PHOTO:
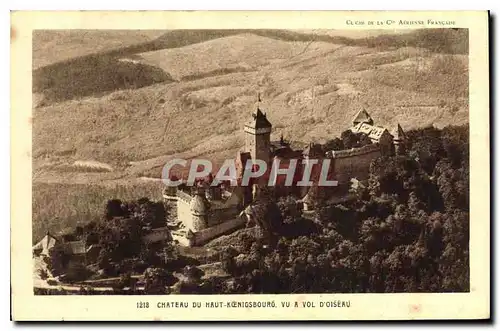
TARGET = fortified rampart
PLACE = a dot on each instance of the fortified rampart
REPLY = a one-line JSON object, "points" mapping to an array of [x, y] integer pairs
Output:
{"points": [[221, 215], [353, 163], [203, 236]]}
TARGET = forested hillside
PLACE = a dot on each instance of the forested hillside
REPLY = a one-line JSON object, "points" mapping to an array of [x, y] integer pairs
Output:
{"points": [[407, 231]]}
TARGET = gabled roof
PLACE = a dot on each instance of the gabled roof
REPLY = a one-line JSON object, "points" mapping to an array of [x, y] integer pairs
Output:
{"points": [[46, 244], [362, 117], [398, 133], [377, 132], [373, 132], [362, 128], [259, 120]]}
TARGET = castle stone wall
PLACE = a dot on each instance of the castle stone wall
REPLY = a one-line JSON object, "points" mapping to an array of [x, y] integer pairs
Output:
{"points": [[218, 216], [203, 236], [356, 151], [354, 163]]}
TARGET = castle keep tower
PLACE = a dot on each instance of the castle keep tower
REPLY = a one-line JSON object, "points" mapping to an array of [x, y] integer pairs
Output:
{"points": [[258, 136]]}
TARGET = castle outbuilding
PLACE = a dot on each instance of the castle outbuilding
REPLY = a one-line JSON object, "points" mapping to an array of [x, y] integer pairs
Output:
{"points": [[355, 162], [44, 247], [389, 141], [377, 135]]}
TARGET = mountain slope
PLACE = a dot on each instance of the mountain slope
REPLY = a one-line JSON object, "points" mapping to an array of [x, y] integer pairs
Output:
{"points": [[309, 90], [52, 46], [243, 52], [103, 72], [93, 76]]}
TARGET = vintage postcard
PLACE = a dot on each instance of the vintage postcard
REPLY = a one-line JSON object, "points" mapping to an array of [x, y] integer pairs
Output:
{"points": [[221, 166]]}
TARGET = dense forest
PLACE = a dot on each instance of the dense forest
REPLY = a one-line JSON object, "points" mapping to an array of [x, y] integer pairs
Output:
{"points": [[406, 229]]}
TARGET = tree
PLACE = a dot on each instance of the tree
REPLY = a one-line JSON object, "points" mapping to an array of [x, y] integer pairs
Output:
{"points": [[105, 263], [333, 145], [453, 184], [157, 281], [151, 214], [79, 232], [126, 280], [407, 231], [349, 139], [149, 256], [57, 260], [363, 139], [425, 146], [227, 259], [246, 241], [91, 238], [288, 209], [192, 282], [114, 209]]}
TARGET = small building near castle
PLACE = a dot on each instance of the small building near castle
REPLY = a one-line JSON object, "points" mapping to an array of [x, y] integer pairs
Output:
{"points": [[63, 255]]}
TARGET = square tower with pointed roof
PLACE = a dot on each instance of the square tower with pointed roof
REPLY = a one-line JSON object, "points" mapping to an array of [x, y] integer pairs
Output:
{"points": [[258, 136]]}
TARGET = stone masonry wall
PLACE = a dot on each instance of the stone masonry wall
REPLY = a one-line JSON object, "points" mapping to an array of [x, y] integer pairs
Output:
{"points": [[354, 163], [203, 236]]}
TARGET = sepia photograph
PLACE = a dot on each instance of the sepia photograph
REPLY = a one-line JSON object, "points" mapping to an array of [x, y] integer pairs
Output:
{"points": [[269, 171], [388, 108]]}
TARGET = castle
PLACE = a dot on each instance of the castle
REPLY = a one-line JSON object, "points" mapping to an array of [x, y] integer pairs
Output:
{"points": [[207, 211]]}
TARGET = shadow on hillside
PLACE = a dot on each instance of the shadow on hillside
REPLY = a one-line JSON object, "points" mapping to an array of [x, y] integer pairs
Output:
{"points": [[103, 73], [92, 76]]}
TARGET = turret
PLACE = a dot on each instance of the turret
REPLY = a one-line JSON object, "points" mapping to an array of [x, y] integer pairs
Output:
{"points": [[398, 138], [199, 208]]}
